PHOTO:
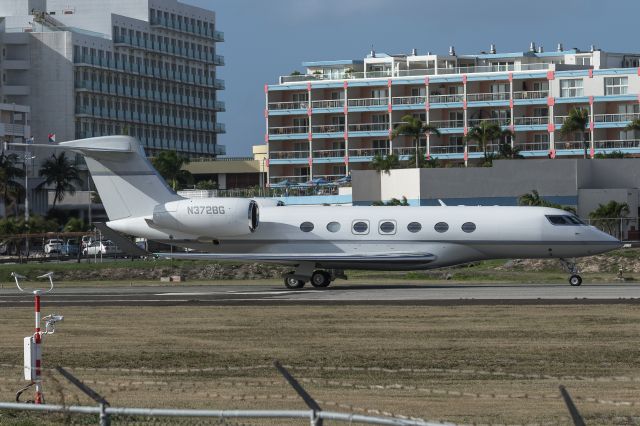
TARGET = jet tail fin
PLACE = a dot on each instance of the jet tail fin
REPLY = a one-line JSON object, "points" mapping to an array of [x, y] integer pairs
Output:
{"points": [[128, 184]]}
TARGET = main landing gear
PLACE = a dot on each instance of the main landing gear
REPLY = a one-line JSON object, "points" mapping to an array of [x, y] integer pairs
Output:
{"points": [[318, 278], [570, 266]]}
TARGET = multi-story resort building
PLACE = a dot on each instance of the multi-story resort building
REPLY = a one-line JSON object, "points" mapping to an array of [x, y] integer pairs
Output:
{"points": [[338, 115], [147, 68]]}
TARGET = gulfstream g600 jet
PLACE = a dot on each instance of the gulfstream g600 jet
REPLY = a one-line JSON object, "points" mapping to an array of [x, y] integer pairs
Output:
{"points": [[319, 242]]}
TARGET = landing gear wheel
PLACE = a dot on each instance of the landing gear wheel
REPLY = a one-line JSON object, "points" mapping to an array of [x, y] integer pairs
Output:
{"points": [[575, 280], [293, 283], [320, 279]]}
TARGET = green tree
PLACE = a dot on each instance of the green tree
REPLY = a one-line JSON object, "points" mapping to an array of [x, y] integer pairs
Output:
{"points": [[634, 125], [9, 172], [385, 162], [576, 121], [612, 154], [484, 133], [169, 164], [609, 216], [392, 202], [422, 161], [534, 199], [62, 174], [207, 185], [75, 224], [415, 128]]}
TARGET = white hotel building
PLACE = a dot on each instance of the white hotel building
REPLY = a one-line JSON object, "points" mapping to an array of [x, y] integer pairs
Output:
{"points": [[337, 115], [147, 68]]}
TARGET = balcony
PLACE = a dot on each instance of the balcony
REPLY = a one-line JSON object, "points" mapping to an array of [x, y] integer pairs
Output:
{"points": [[367, 102], [333, 103], [15, 90], [531, 94], [15, 64], [276, 106], [409, 100], [328, 128], [447, 124], [275, 180], [530, 121], [183, 26], [447, 149], [617, 144], [473, 122], [329, 153], [532, 146], [368, 152], [614, 118], [288, 155], [369, 127], [289, 130], [573, 145], [487, 97], [441, 99], [12, 129], [403, 150]]}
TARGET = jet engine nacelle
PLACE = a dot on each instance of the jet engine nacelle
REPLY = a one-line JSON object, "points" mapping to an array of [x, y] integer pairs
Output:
{"points": [[208, 217]]}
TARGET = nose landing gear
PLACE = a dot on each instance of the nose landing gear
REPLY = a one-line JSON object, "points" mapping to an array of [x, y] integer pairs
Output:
{"points": [[570, 266]]}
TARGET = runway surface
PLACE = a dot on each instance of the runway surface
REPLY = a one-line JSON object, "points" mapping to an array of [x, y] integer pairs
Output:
{"points": [[338, 294]]}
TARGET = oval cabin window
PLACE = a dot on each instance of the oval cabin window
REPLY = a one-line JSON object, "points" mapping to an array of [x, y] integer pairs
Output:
{"points": [[333, 226], [414, 227], [468, 227], [441, 227], [306, 226], [387, 227], [360, 227]]}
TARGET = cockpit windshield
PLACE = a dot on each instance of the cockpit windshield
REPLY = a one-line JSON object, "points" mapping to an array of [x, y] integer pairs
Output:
{"points": [[565, 220]]}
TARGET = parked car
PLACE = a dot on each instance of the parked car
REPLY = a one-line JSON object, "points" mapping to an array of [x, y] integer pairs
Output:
{"points": [[86, 240], [70, 248], [53, 246], [101, 247]]}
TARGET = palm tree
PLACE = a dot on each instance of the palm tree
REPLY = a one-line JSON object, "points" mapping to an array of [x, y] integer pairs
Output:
{"points": [[385, 162], [576, 121], [169, 164], [534, 199], [484, 133], [609, 216], [9, 188], [414, 127], [62, 173], [634, 125]]}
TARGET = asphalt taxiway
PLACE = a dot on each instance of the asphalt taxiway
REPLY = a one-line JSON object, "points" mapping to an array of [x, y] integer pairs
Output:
{"points": [[338, 294]]}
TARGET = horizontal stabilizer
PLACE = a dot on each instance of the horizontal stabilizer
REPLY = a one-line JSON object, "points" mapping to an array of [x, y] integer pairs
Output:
{"points": [[124, 243]]}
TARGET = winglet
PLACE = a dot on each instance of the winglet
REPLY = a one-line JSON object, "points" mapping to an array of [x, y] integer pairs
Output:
{"points": [[442, 203]]}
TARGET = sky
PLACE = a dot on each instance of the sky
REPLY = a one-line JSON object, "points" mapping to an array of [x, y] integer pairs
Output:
{"points": [[268, 38]]}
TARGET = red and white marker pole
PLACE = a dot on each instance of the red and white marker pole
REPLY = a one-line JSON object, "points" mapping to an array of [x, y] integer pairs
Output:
{"points": [[38, 340]]}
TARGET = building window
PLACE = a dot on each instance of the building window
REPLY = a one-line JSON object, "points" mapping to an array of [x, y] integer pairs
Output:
{"points": [[441, 227], [468, 227], [414, 227], [387, 227], [571, 88], [333, 226], [615, 85], [360, 227]]}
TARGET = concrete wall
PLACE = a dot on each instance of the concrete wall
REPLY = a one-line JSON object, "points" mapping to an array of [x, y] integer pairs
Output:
{"points": [[366, 186], [590, 198]]}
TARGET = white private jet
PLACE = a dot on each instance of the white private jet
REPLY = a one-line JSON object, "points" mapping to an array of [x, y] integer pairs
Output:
{"points": [[320, 242]]}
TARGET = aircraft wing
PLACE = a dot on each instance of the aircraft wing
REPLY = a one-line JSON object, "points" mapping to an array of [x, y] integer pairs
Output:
{"points": [[393, 257]]}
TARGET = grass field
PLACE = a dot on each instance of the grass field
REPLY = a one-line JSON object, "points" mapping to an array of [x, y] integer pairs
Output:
{"points": [[464, 364]]}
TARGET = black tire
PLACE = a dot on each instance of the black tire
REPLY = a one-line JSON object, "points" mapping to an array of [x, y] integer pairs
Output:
{"points": [[575, 280], [293, 283], [320, 279]]}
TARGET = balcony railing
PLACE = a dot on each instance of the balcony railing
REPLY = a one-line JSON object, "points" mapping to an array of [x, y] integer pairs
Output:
{"points": [[328, 128], [487, 97], [617, 144], [367, 152], [288, 130], [471, 69], [530, 121], [571, 144], [332, 103], [290, 179], [472, 122], [447, 149], [403, 150], [288, 155], [445, 124], [438, 99], [409, 100], [365, 102], [532, 146], [615, 118], [328, 153], [369, 127], [274, 106], [530, 94]]}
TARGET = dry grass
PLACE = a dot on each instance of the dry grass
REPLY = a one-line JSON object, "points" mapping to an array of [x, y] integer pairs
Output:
{"points": [[480, 364]]}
